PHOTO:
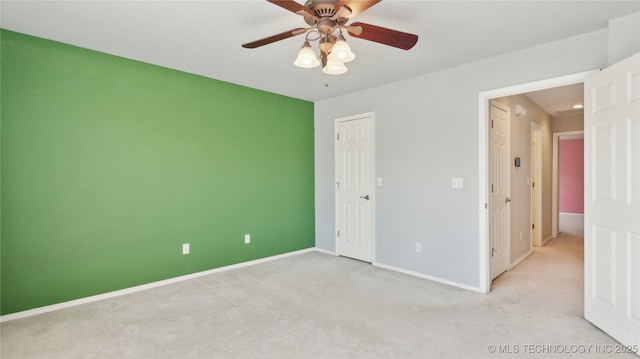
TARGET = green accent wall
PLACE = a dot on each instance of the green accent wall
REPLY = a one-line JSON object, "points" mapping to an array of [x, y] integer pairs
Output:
{"points": [[109, 165]]}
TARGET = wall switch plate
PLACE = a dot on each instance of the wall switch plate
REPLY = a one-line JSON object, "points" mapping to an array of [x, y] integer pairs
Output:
{"points": [[247, 238], [418, 247], [185, 248], [457, 183]]}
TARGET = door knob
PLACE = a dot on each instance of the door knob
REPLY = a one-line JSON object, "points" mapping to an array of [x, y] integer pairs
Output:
{"points": [[366, 197], [507, 200]]}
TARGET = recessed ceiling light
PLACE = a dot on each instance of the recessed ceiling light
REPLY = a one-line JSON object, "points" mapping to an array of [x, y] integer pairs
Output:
{"points": [[578, 106]]}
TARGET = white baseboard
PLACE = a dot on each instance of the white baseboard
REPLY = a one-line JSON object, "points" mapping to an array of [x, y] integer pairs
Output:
{"points": [[432, 278], [117, 293], [571, 223], [325, 251], [571, 214], [412, 273], [547, 240], [520, 259]]}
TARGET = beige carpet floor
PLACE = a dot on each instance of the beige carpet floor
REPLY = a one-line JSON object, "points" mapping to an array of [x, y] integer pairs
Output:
{"points": [[316, 305]]}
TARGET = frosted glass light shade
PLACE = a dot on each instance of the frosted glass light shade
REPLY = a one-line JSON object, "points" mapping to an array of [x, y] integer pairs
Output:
{"points": [[306, 57], [341, 51], [334, 68]]}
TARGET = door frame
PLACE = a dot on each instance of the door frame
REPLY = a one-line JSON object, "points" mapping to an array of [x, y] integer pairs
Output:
{"points": [[555, 177], [371, 115], [484, 280], [536, 176]]}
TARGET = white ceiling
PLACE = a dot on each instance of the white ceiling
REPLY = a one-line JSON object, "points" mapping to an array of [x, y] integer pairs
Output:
{"points": [[204, 37], [559, 101]]}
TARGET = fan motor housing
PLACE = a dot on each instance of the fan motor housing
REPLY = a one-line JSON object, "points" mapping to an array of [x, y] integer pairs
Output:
{"points": [[326, 26], [324, 10]]}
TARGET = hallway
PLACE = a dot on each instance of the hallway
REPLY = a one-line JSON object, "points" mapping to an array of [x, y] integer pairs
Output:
{"points": [[553, 274]]}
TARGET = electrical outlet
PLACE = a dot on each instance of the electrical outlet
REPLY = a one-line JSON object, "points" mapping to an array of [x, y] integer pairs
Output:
{"points": [[418, 247], [247, 238], [185, 248]]}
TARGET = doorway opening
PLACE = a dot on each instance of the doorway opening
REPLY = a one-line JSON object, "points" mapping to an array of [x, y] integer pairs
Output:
{"points": [[568, 208], [484, 166]]}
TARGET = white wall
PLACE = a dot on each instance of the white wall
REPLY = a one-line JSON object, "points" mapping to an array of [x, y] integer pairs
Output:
{"points": [[624, 37], [567, 123], [427, 133]]}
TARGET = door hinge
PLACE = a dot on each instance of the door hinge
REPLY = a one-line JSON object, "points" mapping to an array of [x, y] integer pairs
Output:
{"points": [[533, 185], [338, 185], [485, 205], [533, 226], [492, 188], [338, 233], [337, 136], [491, 123]]}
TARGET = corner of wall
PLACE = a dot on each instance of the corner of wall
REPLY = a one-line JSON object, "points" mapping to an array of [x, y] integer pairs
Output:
{"points": [[624, 37]]}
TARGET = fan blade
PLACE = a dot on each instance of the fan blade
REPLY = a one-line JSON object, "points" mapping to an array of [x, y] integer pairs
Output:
{"points": [[292, 6], [356, 6], [401, 40], [274, 38]]}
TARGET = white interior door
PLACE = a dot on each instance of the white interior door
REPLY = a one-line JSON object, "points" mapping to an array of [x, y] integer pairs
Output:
{"points": [[612, 200], [355, 195], [499, 183]]}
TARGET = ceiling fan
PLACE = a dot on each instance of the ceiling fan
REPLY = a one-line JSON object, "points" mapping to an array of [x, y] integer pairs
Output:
{"points": [[327, 19]]}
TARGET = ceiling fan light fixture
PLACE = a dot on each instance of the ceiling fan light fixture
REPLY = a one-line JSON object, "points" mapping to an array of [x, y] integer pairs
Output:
{"points": [[327, 19], [334, 68], [341, 51], [306, 57], [326, 44]]}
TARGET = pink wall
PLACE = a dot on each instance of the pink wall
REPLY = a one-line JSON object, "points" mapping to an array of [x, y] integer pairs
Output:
{"points": [[571, 176]]}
